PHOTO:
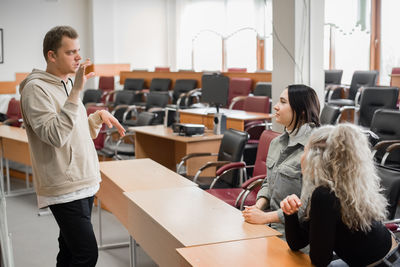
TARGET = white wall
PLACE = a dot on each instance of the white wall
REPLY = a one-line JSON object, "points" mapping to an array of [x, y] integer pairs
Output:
{"points": [[141, 33], [25, 22], [111, 31]]}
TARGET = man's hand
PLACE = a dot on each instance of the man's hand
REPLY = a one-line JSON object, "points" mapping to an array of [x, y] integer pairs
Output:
{"points": [[110, 120], [290, 204], [80, 77]]}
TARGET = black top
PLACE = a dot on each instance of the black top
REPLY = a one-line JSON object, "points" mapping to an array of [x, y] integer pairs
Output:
{"points": [[325, 232]]}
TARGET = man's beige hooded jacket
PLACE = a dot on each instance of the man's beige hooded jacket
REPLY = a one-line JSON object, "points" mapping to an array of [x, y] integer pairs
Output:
{"points": [[60, 136]]}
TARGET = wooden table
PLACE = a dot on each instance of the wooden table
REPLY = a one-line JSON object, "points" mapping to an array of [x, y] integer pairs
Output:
{"points": [[163, 146], [165, 219], [133, 175], [235, 118], [259, 252], [15, 147], [148, 76]]}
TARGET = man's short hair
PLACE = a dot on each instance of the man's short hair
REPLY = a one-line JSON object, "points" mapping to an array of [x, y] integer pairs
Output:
{"points": [[52, 40]]}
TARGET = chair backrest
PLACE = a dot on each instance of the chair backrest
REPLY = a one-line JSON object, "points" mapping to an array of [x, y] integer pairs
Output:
{"points": [[263, 89], [92, 96], [145, 118], [329, 114], [182, 86], [385, 124], [99, 141], [239, 87], [363, 78], [123, 97], [158, 84], [237, 69], [333, 77], [14, 111], [259, 104], [133, 84], [260, 166], [161, 69], [106, 83], [373, 98], [157, 99], [231, 149], [390, 181]]}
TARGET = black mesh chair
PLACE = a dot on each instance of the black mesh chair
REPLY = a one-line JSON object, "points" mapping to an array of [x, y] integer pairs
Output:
{"points": [[263, 89], [359, 79], [385, 124], [230, 150]]}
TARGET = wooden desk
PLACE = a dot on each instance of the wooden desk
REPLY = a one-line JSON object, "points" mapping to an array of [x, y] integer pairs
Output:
{"points": [[259, 252], [148, 76], [165, 147], [166, 219], [14, 146], [235, 118], [133, 175]]}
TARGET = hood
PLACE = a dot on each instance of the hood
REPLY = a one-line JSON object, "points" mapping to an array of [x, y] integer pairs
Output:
{"points": [[41, 75]]}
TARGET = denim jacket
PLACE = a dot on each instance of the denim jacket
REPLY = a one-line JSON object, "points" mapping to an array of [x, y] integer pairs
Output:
{"points": [[283, 168]]}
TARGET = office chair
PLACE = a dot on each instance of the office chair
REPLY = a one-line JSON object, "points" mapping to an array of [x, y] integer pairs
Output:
{"points": [[385, 125], [372, 99], [263, 89], [230, 150], [333, 77], [238, 87], [237, 69], [92, 96], [106, 85], [329, 114], [247, 193], [13, 115], [359, 79], [161, 69], [181, 88], [160, 85], [137, 86]]}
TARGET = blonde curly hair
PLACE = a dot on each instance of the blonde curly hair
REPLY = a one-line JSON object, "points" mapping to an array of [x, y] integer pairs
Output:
{"points": [[339, 157]]}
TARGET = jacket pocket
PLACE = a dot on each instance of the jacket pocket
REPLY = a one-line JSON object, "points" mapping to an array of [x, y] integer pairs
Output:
{"points": [[288, 182]]}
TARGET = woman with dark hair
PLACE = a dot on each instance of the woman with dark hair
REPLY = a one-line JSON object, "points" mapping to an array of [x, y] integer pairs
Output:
{"points": [[298, 111], [344, 204]]}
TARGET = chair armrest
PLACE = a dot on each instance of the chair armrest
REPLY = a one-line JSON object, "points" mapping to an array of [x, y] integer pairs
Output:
{"points": [[335, 87], [192, 93], [208, 165], [130, 108], [389, 149], [231, 165], [249, 186], [385, 142], [250, 183], [128, 136], [11, 121], [227, 168], [193, 155], [235, 100]]}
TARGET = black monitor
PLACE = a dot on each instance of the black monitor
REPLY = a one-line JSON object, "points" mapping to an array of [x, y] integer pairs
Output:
{"points": [[215, 89]]}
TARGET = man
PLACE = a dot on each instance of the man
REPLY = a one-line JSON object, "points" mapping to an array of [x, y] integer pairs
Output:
{"points": [[64, 160]]}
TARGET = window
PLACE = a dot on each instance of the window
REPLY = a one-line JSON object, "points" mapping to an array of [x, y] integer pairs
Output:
{"points": [[347, 33]]}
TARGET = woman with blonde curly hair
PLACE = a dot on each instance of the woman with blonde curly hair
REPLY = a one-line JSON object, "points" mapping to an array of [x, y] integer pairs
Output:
{"points": [[345, 203]]}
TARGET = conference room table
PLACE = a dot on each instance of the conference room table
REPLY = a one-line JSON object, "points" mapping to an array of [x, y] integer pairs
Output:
{"points": [[163, 220], [15, 147], [236, 119], [257, 252], [167, 148]]}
